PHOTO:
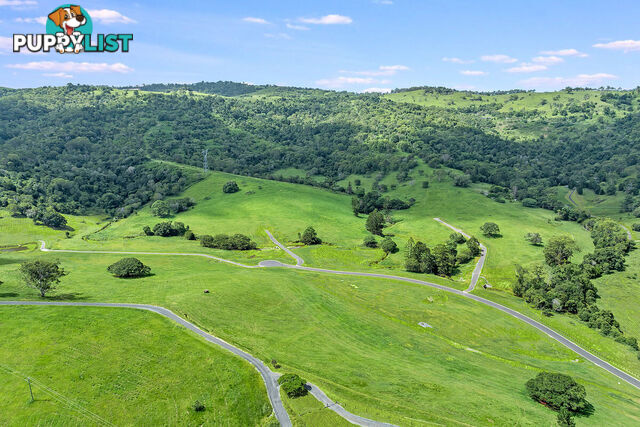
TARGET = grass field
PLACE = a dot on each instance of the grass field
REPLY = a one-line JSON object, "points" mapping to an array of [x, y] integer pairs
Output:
{"points": [[358, 339], [620, 293], [97, 366]]}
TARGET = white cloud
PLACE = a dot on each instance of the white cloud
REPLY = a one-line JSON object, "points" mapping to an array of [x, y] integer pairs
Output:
{"points": [[297, 27], [473, 73], [565, 52], [457, 60], [526, 68], [342, 81], [61, 75], [502, 59], [328, 20], [70, 67], [6, 44], [548, 60], [38, 20], [254, 20], [377, 90], [281, 36], [623, 45], [108, 16], [383, 70], [581, 80], [18, 3]]}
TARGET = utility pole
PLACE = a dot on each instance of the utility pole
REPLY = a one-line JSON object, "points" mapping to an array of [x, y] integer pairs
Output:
{"points": [[30, 391], [205, 164]]}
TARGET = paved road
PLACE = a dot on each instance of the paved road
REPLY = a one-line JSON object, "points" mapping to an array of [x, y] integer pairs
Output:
{"points": [[335, 407], [479, 265], [299, 261], [269, 377]]}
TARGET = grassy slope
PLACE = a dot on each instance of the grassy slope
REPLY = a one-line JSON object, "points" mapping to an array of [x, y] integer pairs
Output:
{"points": [[620, 293], [268, 204], [359, 338], [119, 365]]}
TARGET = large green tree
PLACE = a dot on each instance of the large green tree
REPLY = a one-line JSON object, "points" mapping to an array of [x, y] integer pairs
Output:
{"points": [[375, 222], [559, 249], [42, 275]]}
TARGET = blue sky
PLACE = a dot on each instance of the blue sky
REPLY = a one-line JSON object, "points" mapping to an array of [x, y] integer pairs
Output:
{"points": [[355, 45]]}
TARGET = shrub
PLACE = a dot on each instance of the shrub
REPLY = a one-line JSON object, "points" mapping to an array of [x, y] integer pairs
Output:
{"points": [[293, 385], [490, 229], [189, 235], [370, 242], [457, 238], [222, 241], [160, 208], [389, 246], [425, 184], [464, 256], [206, 240], [180, 205], [168, 229], [530, 203], [147, 230], [230, 187], [474, 246], [129, 267], [198, 406], [310, 237], [533, 238], [636, 226], [462, 180]]}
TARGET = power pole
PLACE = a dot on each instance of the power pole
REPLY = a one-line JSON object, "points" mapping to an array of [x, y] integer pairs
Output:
{"points": [[30, 391], [205, 164]]}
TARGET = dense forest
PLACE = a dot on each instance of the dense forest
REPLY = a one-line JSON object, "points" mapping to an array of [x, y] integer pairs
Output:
{"points": [[82, 148]]}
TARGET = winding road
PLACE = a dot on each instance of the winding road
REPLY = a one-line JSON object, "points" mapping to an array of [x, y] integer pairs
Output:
{"points": [[270, 378], [479, 265]]}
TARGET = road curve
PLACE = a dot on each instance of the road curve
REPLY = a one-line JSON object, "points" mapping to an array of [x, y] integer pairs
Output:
{"points": [[269, 377], [299, 260], [479, 265]]}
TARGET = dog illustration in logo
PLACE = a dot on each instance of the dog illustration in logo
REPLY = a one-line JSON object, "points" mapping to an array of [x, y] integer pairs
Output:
{"points": [[69, 19]]}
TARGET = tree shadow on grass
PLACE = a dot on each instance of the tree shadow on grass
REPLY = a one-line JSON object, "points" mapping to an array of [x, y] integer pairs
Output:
{"points": [[136, 277], [8, 294], [71, 296], [7, 261], [587, 411]]}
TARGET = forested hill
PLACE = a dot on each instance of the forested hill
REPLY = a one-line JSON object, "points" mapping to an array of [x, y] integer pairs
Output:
{"points": [[80, 148]]}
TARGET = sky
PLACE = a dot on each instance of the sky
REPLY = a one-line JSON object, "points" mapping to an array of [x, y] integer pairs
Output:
{"points": [[354, 45]]}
